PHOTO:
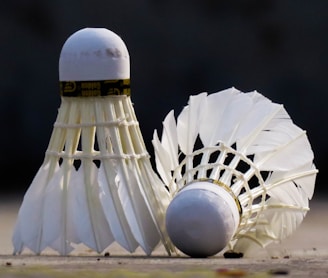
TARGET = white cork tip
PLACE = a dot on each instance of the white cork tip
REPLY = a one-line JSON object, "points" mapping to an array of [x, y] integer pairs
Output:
{"points": [[201, 219], [94, 54]]}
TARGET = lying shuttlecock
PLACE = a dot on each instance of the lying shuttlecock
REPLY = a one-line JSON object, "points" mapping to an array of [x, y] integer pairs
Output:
{"points": [[240, 171], [96, 184]]}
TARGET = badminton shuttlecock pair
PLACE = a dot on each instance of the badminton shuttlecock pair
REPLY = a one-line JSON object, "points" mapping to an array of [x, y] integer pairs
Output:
{"points": [[96, 184], [239, 171]]}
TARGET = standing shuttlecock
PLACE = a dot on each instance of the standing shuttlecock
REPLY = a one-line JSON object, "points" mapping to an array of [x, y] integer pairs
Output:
{"points": [[240, 171], [96, 184]]}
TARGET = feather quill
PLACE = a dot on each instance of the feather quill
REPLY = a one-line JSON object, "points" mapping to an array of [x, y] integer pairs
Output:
{"points": [[167, 155], [133, 196], [163, 161], [92, 226], [214, 110], [155, 195], [188, 126], [55, 229], [54, 221], [109, 196], [32, 207], [188, 123], [170, 139], [87, 214], [114, 211], [147, 235], [140, 216]]}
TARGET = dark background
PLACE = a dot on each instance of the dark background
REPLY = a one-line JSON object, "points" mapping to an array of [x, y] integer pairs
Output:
{"points": [[177, 48]]}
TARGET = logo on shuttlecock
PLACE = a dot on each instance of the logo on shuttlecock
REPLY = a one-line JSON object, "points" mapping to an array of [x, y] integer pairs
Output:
{"points": [[67, 87], [95, 88], [118, 87]]}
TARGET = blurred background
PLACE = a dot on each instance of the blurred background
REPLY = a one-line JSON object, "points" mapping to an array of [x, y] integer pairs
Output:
{"points": [[177, 48]]}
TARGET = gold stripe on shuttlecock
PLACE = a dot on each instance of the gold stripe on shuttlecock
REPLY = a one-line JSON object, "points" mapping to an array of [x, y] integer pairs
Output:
{"points": [[96, 88]]}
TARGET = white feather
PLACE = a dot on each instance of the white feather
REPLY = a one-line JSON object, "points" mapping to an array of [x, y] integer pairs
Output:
{"points": [[31, 211], [131, 189], [92, 226], [220, 109], [109, 194], [276, 160], [163, 160], [170, 140], [153, 196], [114, 211], [33, 205], [255, 122], [55, 223], [303, 177], [88, 217], [133, 193], [141, 220], [188, 123], [55, 232], [214, 109], [228, 125], [158, 199]]}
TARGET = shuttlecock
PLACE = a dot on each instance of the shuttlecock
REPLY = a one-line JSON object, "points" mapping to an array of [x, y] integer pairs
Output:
{"points": [[96, 184], [240, 171]]}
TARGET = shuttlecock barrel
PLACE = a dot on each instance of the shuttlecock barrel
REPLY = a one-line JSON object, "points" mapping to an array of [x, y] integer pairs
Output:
{"points": [[202, 218]]}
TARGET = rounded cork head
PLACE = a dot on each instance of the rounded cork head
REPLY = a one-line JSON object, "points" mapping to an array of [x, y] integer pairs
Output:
{"points": [[201, 219], [94, 54]]}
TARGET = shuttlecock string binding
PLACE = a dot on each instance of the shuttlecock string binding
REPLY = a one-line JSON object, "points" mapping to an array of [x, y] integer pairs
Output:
{"points": [[108, 158], [153, 194], [110, 196], [130, 142], [251, 145], [124, 159]]}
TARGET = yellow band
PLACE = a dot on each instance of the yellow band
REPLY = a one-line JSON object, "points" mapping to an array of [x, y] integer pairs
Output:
{"points": [[95, 88]]}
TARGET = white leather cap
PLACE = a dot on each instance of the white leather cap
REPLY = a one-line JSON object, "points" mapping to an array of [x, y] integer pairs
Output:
{"points": [[201, 219], [94, 54]]}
